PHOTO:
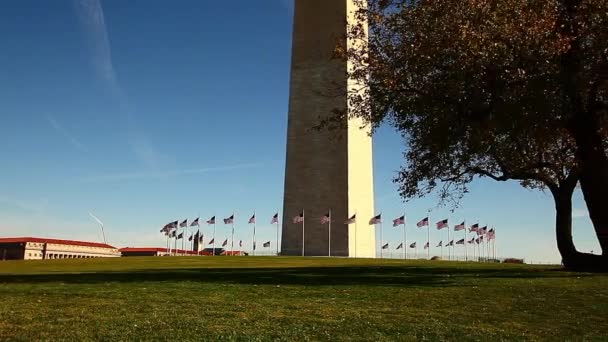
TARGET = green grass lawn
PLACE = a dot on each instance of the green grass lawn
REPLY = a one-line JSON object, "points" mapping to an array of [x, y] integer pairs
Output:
{"points": [[270, 298]]}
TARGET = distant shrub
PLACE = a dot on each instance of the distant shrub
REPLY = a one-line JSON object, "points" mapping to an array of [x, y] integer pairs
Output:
{"points": [[513, 261], [436, 258]]}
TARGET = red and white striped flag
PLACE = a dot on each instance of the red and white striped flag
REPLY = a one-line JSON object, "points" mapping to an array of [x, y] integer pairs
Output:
{"points": [[229, 220], [423, 222], [375, 220], [299, 218], [325, 219], [399, 221], [442, 224], [459, 227]]}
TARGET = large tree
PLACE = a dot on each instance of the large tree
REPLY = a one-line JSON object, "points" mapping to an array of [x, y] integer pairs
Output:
{"points": [[510, 89]]}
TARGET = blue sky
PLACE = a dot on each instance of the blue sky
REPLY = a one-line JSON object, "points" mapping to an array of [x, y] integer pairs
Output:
{"points": [[146, 111]]}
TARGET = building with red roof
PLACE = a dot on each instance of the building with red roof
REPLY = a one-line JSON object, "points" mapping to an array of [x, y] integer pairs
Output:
{"points": [[33, 248]]}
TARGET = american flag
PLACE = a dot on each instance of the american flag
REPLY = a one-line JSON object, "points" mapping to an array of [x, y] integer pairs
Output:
{"points": [[229, 220], [474, 228], [180, 236], [211, 220], [275, 219], [267, 244], [400, 246], [413, 245], [460, 242], [225, 243], [251, 219], [385, 246], [184, 223], [426, 245], [376, 219], [194, 223], [440, 243], [481, 238], [442, 224], [169, 226], [299, 218], [451, 243], [201, 238], [351, 220], [173, 234], [325, 219], [240, 243], [423, 222], [483, 230], [191, 237], [471, 241], [459, 227], [491, 234], [477, 241], [399, 221], [212, 241]]}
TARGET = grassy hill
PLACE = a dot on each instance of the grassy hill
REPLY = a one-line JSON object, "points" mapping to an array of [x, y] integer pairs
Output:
{"points": [[270, 298]]}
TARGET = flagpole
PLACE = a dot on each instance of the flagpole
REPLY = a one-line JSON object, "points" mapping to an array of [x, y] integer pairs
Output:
{"points": [[466, 258], [428, 233], [494, 244], [232, 242], [404, 239], [449, 254], [277, 247], [381, 239], [355, 234], [329, 235], [214, 235], [254, 224], [303, 227]]}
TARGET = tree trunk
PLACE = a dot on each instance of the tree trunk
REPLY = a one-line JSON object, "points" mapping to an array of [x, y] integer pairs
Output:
{"points": [[571, 258], [594, 182]]}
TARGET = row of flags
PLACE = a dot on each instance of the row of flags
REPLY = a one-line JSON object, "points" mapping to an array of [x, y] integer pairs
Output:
{"points": [[440, 244], [200, 238], [170, 229], [195, 223]]}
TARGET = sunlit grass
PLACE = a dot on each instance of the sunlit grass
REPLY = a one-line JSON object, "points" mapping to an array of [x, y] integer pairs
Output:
{"points": [[268, 298]]}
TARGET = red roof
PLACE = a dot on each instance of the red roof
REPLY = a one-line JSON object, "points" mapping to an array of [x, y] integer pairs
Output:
{"points": [[143, 249], [55, 241], [157, 249]]}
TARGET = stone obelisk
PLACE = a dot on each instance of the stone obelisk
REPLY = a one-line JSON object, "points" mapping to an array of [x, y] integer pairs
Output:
{"points": [[325, 170]]}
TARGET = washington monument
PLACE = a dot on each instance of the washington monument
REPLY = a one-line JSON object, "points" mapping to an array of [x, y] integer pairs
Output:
{"points": [[325, 171]]}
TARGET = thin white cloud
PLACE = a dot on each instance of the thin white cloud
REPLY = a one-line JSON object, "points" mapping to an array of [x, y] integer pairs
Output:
{"points": [[579, 213], [93, 22], [166, 174], [62, 131]]}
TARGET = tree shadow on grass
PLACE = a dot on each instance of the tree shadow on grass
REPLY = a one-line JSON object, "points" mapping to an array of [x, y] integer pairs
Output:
{"points": [[400, 276]]}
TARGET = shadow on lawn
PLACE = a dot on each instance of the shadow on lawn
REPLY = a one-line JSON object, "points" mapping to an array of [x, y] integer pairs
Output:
{"points": [[402, 276]]}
